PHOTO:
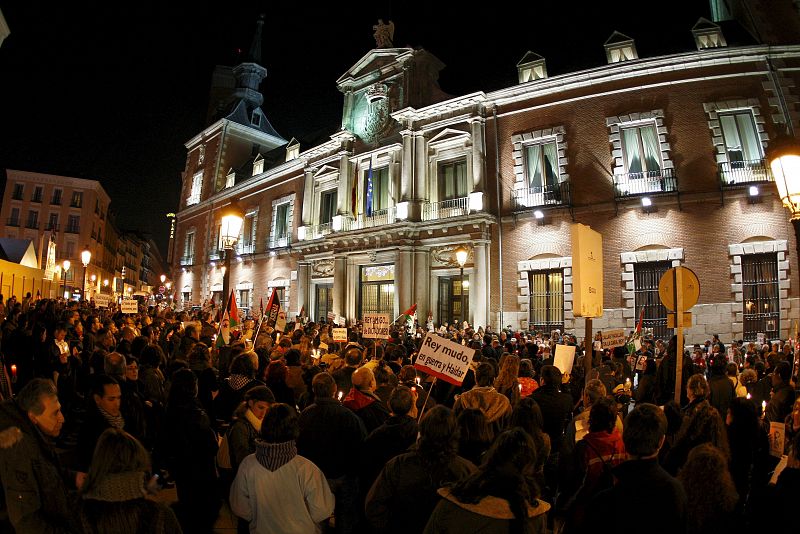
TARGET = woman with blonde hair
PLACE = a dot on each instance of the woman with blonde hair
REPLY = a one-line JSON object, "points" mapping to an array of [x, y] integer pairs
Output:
{"points": [[114, 493], [507, 381]]}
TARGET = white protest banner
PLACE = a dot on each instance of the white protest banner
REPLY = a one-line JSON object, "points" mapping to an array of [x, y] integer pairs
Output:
{"points": [[777, 437], [613, 338], [444, 359], [376, 326], [280, 323], [102, 301], [340, 334], [129, 306], [565, 356]]}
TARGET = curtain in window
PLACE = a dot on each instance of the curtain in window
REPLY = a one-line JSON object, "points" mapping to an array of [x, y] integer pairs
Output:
{"points": [[281, 221], [652, 148], [630, 138], [751, 147], [733, 144], [534, 167], [550, 163]]}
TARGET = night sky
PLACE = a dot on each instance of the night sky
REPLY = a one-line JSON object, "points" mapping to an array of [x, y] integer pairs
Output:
{"points": [[112, 94]]}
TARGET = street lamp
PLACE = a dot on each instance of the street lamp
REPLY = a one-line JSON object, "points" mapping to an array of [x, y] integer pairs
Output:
{"points": [[86, 257], [105, 284], [231, 221], [461, 258], [66, 266], [784, 161]]}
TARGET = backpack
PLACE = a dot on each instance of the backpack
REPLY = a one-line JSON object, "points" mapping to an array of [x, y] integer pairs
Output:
{"points": [[606, 480]]}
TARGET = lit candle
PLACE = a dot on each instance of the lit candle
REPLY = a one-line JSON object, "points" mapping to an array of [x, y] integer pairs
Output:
{"points": [[627, 383], [416, 380], [520, 387], [749, 396], [340, 396], [14, 372]]}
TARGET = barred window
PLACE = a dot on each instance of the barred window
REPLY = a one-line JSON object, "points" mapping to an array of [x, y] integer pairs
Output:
{"points": [[761, 292], [646, 276], [546, 300]]}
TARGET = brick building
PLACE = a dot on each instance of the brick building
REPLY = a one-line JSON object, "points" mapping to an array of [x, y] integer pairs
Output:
{"points": [[664, 156]]}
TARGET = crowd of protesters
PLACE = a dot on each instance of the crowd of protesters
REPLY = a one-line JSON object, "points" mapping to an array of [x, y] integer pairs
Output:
{"points": [[301, 434]]}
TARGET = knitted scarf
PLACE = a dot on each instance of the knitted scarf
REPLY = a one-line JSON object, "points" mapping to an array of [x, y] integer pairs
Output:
{"points": [[116, 421], [118, 487], [237, 382], [274, 455], [253, 420]]}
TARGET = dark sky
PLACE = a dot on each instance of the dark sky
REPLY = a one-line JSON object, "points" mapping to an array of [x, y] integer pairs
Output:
{"points": [[112, 93]]}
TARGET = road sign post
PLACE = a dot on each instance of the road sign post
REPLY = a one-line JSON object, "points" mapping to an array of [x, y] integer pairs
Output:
{"points": [[679, 290]]}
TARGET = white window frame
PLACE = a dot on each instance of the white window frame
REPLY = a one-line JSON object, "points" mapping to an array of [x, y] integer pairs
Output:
{"points": [[276, 241], [196, 191], [749, 173]]}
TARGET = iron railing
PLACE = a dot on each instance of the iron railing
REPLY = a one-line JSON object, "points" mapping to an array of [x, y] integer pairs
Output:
{"points": [[74, 229], [645, 183], [456, 207], [318, 230], [737, 173], [378, 218], [187, 260], [12, 221], [279, 241], [548, 195]]}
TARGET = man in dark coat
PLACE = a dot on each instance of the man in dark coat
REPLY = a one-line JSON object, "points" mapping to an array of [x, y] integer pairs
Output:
{"points": [[721, 388], [782, 399], [36, 486], [103, 413], [667, 370], [556, 406], [332, 437], [393, 437], [644, 494]]}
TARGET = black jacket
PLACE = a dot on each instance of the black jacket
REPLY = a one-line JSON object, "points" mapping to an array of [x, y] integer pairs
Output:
{"points": [[644, 495], [392, 438], [331, 436], [556, 411], [722, 393]]}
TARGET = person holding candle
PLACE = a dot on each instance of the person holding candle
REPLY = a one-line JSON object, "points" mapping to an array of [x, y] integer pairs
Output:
{"points": [[332, 437]]}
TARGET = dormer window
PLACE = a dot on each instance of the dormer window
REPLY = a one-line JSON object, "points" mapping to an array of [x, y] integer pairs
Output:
{"points": [[292, 150], [258, 165], [619, 47], [230, 179], [531, 67], [708, 35]]}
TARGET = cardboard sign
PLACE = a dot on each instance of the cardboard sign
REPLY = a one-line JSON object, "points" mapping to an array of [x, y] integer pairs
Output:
{"points": [[444, 359], [129, 306], [565, 357], [376, 326], [339, 334], [613, 338], [777, 438], [102, 301]]}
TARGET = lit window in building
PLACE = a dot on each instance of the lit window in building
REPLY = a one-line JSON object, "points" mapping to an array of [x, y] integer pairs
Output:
{"points": [[642, 150], [377, 289], [546, 300], [646, 276], [327, 206], [760, 295], [197, 188], [453, 180]]}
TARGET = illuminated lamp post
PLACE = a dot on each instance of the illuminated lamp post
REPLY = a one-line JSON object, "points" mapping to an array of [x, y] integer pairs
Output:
{"points": [[461, 258], [86, 257], [784, 161], [231, 221], [65, 266]]}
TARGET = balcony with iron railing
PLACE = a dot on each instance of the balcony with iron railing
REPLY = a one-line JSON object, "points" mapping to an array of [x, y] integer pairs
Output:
{"points": [[216, 254], [245, 248], [456, 207], [52, 227], [279, 241], [541, 196], [318, 231], [645, 183], [33, 225], [742, 173], [187, 260], [378, 218], [37, 198], [12, 221]]}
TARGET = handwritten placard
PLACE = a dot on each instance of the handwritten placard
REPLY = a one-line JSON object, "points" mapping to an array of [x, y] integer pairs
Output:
{"points": [[376, 326], [444, 359], [613, 338], [129, 306], [565, 356], [339, 334]]}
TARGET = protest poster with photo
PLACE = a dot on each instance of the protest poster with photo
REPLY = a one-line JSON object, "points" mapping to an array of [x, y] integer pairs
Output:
{"points": [[376, 326], [444, 359], [777, 438]]}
